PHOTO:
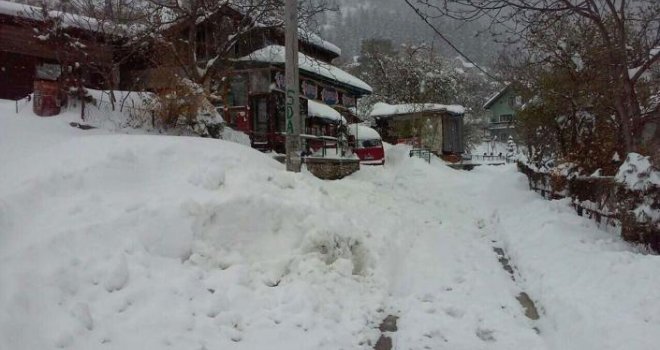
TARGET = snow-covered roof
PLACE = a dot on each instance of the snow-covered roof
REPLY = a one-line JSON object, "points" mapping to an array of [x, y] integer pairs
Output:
{"points": [[317, 41], [68, 19], [311, 39], [495, 97], [363, 132], [276, 54], [321, 110], [382, 109], [16, 9], [465, 63]]}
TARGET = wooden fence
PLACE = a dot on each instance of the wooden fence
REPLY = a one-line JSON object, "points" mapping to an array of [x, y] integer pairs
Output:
{"points": [[602, 199]]}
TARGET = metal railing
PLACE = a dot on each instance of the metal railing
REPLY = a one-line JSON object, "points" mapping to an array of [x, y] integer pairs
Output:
{"points": [[103, 114], [484, 158], [422, 153], [324, 141], [26, 98]]}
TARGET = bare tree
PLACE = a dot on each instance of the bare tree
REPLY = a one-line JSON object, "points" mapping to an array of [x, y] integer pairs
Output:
{"points": [[183, 27], [626, 32]]}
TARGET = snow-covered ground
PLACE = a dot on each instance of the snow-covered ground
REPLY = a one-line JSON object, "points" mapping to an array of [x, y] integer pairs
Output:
{"points": [[115, 241]]}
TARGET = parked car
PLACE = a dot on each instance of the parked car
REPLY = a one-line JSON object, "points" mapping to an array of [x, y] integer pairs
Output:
{"points": [[367, 144]]}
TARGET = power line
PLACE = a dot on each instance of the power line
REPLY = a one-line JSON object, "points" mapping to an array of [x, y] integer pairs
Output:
{"points": [[443, 37]]}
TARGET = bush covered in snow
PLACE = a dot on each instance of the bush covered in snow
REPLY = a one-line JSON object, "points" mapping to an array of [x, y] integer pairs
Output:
{"points": [[629, 201], [637, 173]]}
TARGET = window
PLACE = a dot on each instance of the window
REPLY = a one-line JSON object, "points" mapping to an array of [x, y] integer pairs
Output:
{"points": [[512, 101], [238, 95], [371, 143], [260, 82], [201, 43], [260, 115], [48, 71], [506, 118], [237, 48]]}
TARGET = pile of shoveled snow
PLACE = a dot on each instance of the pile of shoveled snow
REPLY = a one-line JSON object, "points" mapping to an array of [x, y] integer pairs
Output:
{"points": [[157, 242], [125, 241], [134, 241]]}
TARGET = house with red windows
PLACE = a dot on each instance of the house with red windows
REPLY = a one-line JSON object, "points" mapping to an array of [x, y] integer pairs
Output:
{"points": [[247, 91]]}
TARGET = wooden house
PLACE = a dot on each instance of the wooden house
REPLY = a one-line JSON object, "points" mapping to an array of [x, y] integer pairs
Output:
{"points": [[436, 127], [28, 49], [247, 88], [257, 102], [246, 85], [502, 108]]}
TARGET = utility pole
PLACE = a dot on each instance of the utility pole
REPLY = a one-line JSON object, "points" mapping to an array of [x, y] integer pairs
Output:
{"points": [[293, 121]]}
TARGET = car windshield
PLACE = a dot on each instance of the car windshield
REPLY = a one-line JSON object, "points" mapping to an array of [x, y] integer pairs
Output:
{"points": [[370, 143]]}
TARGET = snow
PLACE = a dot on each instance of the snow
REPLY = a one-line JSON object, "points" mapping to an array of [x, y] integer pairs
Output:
{"points": [[333, 153], [15, 9], [494, 97], [276, 54], [116, 241], [578, 62], [464, 62], [131, 99], [363, 132], [321, 110], [382, 109], [68, 19], [316, 40], [654, 51], [637, 173], [490, 148]]}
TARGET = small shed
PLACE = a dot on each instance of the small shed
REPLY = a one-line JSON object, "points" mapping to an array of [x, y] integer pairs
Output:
{"points": [[438, 127]]}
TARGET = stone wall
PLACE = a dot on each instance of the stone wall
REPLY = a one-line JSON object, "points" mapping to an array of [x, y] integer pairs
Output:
{"points": [[332, 169]]}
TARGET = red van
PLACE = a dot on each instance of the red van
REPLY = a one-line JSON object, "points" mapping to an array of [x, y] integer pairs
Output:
{"points": [[368, 145]]}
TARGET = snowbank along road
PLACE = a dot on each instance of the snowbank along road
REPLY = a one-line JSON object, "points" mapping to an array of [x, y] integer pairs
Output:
{"points": [[112, 241]]}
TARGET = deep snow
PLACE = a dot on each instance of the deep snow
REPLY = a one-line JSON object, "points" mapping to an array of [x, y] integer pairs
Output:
{"points": [[152, 242]]}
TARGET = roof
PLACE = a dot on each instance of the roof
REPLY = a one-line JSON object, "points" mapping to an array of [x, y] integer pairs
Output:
{"points": [[68, 19], [318, 42], [363, 132], [309, 38], [382, 109], [496, 97], [275, 54], [321, 110]]}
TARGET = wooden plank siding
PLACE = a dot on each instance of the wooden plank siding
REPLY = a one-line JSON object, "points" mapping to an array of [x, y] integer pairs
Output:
{"points": [[21, 52], [16, 75], [18, 36]]}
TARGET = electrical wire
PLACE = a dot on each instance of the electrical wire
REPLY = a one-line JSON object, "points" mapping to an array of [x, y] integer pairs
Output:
{"points": [[444, 38]]}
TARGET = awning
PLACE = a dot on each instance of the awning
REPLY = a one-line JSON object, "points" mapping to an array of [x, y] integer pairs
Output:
{"points": [[317, 109], [382, 109]]}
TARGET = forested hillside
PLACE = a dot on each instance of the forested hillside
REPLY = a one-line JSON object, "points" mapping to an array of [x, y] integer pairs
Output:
{"points": [[357, 20]]}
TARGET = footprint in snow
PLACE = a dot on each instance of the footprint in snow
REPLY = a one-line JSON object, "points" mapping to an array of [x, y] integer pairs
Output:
{"points": [[486, 335]]}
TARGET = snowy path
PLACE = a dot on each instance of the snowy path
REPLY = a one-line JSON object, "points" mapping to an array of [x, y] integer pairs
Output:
{"points": [[448, 288], [134, 242]]}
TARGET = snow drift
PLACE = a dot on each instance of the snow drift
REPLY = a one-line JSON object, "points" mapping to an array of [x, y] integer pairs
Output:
{"points": [[156, 242]]}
